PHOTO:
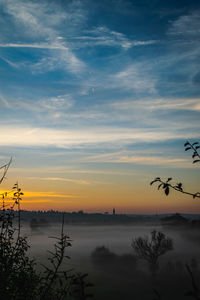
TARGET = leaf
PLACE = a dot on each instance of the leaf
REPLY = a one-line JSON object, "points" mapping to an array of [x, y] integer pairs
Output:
{"points": [[152, 182], [167, 191], [188, 148], [197, 160], [195, 143], [160, 186], [179, 186], [169, 179], [197, 147], [187, 143], [194, 154]]}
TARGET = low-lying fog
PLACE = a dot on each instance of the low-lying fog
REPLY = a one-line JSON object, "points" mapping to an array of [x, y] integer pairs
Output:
{"points": [[124, 278]]}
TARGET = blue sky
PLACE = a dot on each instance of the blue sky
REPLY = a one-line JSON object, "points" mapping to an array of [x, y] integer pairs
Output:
{"points": [[98, 91]]}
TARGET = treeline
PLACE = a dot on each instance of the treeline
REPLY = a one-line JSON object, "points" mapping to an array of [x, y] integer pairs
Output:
{"points": [[81, 217]]}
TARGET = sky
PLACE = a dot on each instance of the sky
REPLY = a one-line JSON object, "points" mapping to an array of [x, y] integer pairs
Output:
{"points": [[97, 98]]}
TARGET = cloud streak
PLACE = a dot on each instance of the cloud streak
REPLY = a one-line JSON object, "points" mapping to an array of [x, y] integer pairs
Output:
{"points": [[103, 36], [41, 22], [131, 157], [158, 104], [186, 26], [38, 137], [76, 181]]}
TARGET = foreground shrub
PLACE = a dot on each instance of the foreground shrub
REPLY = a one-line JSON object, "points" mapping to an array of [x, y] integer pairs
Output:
{"points": [[19, 279]]}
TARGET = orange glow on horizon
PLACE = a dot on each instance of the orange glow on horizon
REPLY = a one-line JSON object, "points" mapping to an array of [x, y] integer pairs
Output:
{"points": [[144, 200]]}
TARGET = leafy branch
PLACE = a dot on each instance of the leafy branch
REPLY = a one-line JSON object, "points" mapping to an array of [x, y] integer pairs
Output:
{"points": [[166, 186], [194, 147], [17, 198], [56, 259]]}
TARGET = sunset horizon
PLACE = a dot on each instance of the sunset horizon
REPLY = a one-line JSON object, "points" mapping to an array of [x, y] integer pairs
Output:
{"points": [[97, 100]]}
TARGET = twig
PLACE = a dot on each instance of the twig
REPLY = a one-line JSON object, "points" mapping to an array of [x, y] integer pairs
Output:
{"points": [[195, 293], [5, 167]]}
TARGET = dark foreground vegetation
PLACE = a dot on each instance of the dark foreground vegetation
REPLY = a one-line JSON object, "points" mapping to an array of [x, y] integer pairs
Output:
{"points": [[19, 279], [18, 276], [115, 276], [127, 277]]}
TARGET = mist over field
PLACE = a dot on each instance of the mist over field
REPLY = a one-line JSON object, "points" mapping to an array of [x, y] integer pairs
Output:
{"points": [[120, 275]]}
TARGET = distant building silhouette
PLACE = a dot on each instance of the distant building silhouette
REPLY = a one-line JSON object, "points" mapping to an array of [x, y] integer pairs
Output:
{"points": [[113, 211]]}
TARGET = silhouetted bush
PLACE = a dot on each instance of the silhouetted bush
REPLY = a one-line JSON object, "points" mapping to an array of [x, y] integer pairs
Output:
{"points": [[103, 255], [38, 224], [123, 264], [18, 276], [19, 279]]}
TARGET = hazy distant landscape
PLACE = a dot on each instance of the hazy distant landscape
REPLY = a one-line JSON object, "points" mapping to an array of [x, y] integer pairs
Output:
{"points": [[123, 276]]}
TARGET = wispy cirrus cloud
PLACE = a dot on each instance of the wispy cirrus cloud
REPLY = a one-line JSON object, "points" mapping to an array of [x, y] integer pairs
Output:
{"points": [[103, 36], [41, 23], [5, 102], [136, 77], [186, 26], [59, 57], [158, 113], [129, 157], [158, 104], [62, 179], [36, 45], [184, 33], [47, 105], [61, 138], [42, 27]]}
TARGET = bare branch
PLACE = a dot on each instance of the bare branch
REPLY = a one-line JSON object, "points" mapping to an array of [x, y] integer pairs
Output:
{"points": [[5, 169], [195, 292]]}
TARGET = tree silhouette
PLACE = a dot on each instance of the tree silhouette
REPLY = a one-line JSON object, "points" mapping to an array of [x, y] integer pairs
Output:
{"points": [[151, 250]]}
